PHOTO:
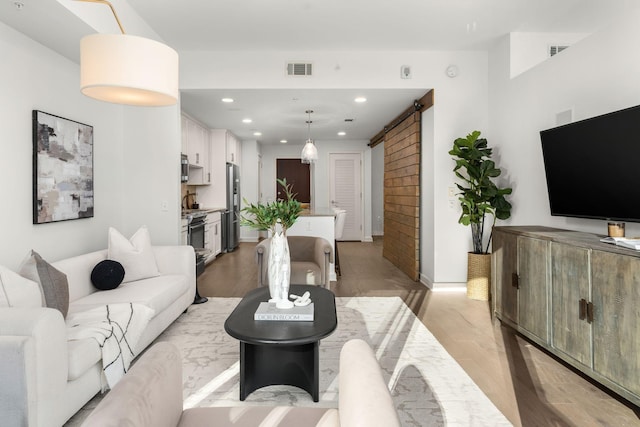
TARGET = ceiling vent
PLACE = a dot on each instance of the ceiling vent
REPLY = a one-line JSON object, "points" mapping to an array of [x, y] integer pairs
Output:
{"points": [[556, 49], [299, 69]]}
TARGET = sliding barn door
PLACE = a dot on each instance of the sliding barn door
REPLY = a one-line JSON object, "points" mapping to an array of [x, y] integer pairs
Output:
{"points": [[401, 243]]}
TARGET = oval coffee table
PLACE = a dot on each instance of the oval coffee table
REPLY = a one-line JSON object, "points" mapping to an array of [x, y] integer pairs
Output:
{"points": [[281, 352]]}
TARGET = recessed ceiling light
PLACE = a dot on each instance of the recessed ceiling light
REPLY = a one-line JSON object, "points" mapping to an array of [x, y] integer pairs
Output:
{"points": [[257, 134], [283, 141], [342, 133], [227, 100], [246, 120], [360, 99]]}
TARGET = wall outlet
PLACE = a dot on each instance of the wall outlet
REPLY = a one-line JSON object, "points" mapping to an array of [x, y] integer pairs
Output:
{"points": [[164, 206]]}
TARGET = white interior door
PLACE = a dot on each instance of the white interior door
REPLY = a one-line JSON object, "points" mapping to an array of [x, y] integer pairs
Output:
{"points": [[345, 191]]}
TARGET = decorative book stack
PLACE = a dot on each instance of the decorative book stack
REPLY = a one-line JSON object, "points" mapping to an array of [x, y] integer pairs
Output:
{"points": [[268, 311]]}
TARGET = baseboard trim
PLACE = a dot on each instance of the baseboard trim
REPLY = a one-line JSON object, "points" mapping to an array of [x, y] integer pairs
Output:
{"points": [[443, 286], [248, 240]]}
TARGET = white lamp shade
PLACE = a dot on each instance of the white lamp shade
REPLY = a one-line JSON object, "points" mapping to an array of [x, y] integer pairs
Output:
{"points": [[309, 152], [126, 69]]}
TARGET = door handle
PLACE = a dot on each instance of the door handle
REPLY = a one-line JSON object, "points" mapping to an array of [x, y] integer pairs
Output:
{"points": [[590, 312], [582, 309]]}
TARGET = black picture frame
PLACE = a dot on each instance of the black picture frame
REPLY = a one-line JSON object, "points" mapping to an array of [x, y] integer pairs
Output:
{"points": [[62, 169]]}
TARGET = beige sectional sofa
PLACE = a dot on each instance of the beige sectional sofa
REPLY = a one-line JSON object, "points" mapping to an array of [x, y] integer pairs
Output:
{"points": [[44, 377]]}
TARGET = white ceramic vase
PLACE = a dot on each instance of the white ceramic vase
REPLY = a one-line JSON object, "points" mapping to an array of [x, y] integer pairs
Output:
{"points": [[279, 270]]}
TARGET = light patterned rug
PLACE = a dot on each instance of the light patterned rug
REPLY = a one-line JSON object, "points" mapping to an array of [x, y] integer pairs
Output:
{"points": [[429, 388]]}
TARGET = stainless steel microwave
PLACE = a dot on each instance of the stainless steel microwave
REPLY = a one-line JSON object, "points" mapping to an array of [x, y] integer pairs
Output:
{"points": [[184, 168]]}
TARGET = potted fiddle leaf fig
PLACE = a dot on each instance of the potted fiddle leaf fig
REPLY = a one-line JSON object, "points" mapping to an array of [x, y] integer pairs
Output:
{"points": [[479, 197]]}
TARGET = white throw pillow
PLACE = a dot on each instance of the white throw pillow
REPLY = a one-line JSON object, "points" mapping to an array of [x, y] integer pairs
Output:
{"points": [[17, 291], [135, 254]]}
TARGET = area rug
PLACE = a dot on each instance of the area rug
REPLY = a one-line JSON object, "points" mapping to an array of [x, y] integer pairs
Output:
{"points": [[429, 388]]}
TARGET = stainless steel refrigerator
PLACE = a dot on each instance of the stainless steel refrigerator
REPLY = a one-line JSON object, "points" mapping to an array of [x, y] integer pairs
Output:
{"points": [[231, 218]]}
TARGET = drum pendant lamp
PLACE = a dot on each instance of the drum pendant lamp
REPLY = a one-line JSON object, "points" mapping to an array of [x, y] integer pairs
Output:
{"points": [[125, 69]]}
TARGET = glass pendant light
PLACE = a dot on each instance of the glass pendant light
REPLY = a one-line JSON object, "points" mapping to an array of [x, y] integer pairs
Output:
{"points": [[309, 151]]}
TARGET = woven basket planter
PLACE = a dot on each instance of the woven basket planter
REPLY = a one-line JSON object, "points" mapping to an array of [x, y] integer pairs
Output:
{"points": [[478, 276]]}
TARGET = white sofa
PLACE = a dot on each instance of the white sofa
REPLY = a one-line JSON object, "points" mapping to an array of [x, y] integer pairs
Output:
{"points": [[45, 379]]}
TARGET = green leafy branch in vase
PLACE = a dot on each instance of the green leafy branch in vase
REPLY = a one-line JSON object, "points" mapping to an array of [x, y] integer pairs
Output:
{"points": [[266, 216]]}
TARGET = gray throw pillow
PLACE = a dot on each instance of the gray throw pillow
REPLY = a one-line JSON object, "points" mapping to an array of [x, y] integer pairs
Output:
{"points": [[53, 283]]}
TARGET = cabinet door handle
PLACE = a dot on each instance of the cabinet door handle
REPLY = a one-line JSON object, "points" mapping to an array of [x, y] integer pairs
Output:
{"points": [[209, 177], [515, 280], [197, 158], [582, 309], [590, 312]]}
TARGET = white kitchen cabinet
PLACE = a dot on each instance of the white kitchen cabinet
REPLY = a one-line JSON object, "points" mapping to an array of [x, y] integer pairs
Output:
{"points": [[226, 147], [184, 236], [213, 235], [184, 135], [234, 148], [195, 142], [217, 236]]}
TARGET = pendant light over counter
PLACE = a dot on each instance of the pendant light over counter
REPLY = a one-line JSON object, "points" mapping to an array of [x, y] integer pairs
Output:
{"points": [[309, 151], [125, 69]]}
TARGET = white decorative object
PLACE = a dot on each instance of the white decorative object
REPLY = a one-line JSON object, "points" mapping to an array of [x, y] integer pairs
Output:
{"points": [[301, 301], [279, 270]]}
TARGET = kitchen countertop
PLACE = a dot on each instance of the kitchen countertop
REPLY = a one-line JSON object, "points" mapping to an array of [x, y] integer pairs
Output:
{"points": [[186, 212], [318, 212]]}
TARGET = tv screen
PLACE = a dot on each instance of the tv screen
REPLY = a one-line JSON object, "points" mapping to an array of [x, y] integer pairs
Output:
{"points": [[592, 167]]}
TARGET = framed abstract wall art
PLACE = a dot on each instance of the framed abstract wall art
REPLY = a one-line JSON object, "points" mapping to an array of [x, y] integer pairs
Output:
{"points": [[62, 169]]}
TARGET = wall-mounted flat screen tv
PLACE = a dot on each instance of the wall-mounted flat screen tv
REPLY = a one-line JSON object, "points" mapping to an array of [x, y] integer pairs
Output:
{"points": [[593, 167]]}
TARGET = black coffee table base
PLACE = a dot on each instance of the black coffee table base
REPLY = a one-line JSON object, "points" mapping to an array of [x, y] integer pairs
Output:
{"points": [[264, 365]]}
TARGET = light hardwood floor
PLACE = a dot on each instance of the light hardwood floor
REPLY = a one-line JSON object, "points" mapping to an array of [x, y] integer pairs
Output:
{"points": [[528, 385]]}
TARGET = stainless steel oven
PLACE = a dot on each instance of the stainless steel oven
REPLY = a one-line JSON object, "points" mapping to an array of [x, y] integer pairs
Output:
{"points": [[195, 237], [196, 231]]}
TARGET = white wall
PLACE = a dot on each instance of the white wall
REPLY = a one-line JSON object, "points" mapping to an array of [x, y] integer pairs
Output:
{"points": [[249, 184], [377, 190], [597, 75], [34, 77], [427, 208], [151, 174], [530, 49]]}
